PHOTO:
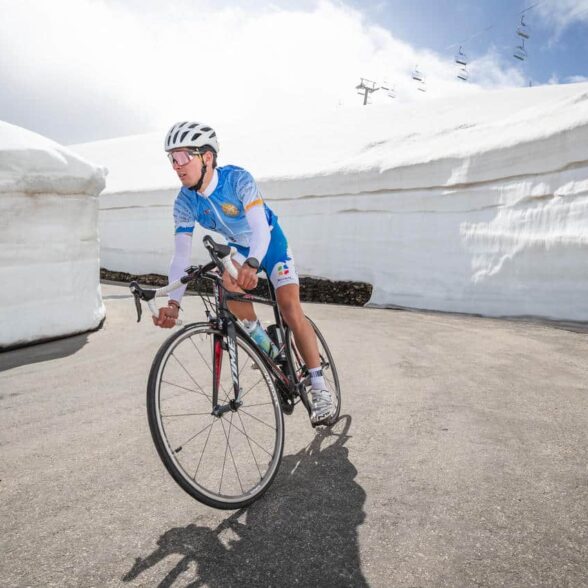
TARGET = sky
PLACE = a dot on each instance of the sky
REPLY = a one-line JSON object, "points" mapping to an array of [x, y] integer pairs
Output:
{"points": [[84, 70]]}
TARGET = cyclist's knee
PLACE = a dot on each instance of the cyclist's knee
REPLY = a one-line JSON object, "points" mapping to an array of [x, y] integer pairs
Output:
{"points": [[293, 314]]}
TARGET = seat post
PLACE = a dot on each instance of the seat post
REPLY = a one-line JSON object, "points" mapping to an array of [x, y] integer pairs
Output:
{"points": [[273, 298]]}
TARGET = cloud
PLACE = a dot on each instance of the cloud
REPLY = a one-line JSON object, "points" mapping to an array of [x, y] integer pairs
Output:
{"points": [[576, 79], [89, 69], [562, 13]]}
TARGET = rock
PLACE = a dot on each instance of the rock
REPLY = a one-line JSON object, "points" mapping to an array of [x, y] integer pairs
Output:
{"points": [[311, 289]]}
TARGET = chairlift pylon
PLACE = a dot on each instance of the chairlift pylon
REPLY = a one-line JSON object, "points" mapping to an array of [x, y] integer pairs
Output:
{"points": [[461, 58], [523, 29]]}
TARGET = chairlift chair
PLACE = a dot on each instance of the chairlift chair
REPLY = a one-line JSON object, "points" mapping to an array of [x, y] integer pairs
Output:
{"points": [[417, 75], [462, 74], [461, 58], [523, 29], [520, 52], [390, 91]]}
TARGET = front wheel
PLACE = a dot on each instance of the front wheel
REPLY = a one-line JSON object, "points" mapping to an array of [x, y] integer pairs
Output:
{"points": [[327, 365], [225, 461]]}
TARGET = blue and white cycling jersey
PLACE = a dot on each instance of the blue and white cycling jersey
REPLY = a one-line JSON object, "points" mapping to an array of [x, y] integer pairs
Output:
{"points": [[223, 209]]}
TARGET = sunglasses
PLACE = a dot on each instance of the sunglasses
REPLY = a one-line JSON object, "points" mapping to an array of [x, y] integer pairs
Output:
{"points": [[181, 158]]}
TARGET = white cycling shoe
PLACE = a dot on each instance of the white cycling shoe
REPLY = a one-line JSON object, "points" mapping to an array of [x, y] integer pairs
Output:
{"points": [[322, 406]]}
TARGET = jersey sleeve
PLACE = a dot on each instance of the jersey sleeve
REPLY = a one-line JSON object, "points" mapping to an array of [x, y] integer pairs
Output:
{"points": [[183, 216], [247, 190]]}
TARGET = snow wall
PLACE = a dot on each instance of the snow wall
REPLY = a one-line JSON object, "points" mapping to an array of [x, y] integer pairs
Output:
{"points": [[475, 206], [49, 248]]}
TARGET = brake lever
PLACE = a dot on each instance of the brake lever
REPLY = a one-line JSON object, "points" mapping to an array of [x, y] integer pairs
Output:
{"points": [[137, 296], [138, 307]]}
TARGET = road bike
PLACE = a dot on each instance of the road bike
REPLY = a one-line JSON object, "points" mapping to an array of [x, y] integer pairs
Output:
{"points": [[215, 400]]}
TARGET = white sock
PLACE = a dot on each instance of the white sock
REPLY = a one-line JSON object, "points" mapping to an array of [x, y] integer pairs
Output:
{"points": [[317, 381]]}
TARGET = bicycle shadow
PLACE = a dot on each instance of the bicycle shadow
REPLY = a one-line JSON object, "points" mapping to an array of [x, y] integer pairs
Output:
{"points": [[303, 532]]}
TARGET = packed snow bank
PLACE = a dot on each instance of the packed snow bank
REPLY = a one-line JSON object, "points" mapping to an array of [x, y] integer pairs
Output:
{"points": [[49, 249], [477, 205]]}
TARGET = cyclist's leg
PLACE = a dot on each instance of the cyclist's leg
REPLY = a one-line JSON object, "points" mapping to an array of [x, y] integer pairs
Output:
{"points": [[288, 296], [278, 264], [323, 400]]}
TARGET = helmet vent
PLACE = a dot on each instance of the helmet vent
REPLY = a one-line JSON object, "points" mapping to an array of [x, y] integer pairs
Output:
{"points": [[195, 136], [176, 136], [193, 126], [205, 129], [183, 135]]}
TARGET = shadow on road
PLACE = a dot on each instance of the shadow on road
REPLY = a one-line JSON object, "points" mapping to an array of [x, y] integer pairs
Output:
{"points": [[303, 532], [43, 351]]}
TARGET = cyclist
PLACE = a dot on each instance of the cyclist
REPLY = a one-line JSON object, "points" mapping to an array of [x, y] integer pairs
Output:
{"points": [[227, 200]]}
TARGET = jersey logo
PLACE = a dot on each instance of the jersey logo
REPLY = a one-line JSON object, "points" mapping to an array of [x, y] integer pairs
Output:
{"points": [[230, 209], [283, 269]]}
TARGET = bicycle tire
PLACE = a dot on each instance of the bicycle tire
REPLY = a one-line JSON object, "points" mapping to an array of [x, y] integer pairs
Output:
{"points": [[329, 369], [163, 437]]}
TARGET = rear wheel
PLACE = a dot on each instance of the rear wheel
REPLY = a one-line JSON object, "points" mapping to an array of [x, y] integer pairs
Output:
{"points": [[225, 461], [327, 365]]}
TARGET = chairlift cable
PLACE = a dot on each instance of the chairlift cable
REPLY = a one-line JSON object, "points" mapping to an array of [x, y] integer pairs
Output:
{"points": [[490, 27], [532, 6]]}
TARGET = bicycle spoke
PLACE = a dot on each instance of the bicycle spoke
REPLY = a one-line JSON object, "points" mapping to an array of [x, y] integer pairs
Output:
{"points": [[231, 451], [182, 445], [187, 389], [226, 398], [245, 364], [200, 354], [187, 372], [252, 439], [203, 449], [224, 460], [167, 416], [250, 448], [233, 458], [254, 417], [209, 369], [245, 394]]}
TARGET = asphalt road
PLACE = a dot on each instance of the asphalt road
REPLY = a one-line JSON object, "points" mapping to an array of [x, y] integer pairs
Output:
{"points": [[461, 461]]}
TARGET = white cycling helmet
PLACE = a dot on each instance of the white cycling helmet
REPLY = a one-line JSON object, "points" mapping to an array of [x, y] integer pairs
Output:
{"points": [[191, 134]]}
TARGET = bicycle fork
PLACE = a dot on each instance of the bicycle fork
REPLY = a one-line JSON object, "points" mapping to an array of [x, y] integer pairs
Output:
{"points": [[231, 346]]}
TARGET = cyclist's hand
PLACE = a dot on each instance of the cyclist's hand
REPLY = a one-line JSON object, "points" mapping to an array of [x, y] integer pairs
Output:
{"points": [[167, 317], [247, 278]]}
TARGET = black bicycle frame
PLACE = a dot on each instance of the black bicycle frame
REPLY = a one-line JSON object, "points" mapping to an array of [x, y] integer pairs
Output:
{"points": [[226, 322]]}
